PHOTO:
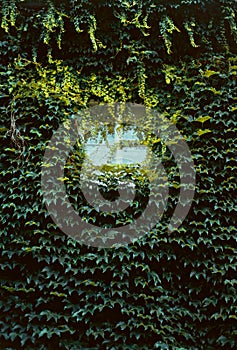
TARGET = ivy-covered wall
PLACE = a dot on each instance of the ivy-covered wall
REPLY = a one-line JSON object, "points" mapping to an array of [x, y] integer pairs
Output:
{"points": [[167, 290]]}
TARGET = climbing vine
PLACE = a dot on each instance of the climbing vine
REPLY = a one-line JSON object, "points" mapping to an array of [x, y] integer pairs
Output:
{"points": [[166, 290]]}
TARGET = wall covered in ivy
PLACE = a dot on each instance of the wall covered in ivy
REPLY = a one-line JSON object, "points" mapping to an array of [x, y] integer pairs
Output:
{"points": [[167, 290]]}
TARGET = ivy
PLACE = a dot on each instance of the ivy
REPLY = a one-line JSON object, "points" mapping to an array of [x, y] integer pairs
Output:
{"points": [[166, 290]]}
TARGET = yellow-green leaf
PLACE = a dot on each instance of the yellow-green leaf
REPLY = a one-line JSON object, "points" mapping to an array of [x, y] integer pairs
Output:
{"points": [[203, 119], [62, 178], [201, 132], [209, 73]]}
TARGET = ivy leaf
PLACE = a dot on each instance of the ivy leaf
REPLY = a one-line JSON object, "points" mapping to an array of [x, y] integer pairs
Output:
{"points": [[203, 119], [209, 73], [201, 132]]}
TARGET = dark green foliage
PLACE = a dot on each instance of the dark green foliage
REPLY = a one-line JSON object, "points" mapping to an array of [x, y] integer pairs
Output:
{"points": [[166, 291]]}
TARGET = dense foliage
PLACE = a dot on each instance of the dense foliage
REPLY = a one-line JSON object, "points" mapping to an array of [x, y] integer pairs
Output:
{"points": [[165, 291]]}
